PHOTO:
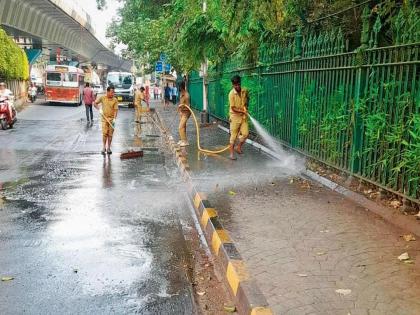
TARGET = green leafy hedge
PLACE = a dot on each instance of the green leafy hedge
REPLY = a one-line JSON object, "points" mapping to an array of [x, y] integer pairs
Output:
{"points": [[14, 64]]}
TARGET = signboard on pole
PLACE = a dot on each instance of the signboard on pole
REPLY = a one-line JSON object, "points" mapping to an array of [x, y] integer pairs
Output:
{"points": [[159, 67], [167, 67]]}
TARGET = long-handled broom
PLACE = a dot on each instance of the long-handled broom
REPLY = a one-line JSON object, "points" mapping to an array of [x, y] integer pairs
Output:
{"points": [[130, 154]]}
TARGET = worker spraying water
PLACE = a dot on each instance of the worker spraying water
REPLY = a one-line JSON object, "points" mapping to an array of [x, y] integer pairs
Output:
{"points": [[238, 116]]}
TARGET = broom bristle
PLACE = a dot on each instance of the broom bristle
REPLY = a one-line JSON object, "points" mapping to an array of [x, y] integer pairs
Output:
{"points": [[131, 155]]}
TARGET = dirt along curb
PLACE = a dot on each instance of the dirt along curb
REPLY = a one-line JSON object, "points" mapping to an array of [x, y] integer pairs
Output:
{"points": [[248, 297], [397, 219]]}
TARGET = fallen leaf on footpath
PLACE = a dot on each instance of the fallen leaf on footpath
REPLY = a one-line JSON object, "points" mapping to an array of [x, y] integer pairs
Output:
{"points": [[7, 278], [302, 274], [395, 203], [201, 293], [403, 257], [273, 184], [232, 193], [306, 185], [409, 262], [230, 309], [343, 291], [320, 253], [408, 237]]}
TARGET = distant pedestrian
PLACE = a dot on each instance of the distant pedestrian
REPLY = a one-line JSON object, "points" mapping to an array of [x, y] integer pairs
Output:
{"points": [[167, 96], [88, 99], [156, 92], [238, 116], [183, 108], [174, 94], [109, 111]]}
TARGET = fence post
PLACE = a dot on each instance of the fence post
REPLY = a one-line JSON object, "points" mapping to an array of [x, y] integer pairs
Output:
{"points": [[296, 84], [356, 149]]}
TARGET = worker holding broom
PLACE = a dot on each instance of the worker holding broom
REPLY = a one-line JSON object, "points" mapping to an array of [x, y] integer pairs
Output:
{"points": [[183, 109], [139, 97], [108, 111], [238, 116]]}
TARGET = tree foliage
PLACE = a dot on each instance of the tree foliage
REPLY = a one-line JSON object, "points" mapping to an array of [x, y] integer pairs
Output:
{"points": [[13, 60], [228, 28]]}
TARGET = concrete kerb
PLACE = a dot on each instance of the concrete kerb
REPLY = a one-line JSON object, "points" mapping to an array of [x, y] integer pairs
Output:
{"points": [[396, 219], [243, 288]]}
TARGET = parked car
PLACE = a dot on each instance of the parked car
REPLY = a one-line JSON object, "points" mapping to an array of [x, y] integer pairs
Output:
{"points": [[98, 89]]}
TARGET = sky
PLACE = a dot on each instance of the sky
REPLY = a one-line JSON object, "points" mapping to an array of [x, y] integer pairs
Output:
{"points": [[102, 18]]}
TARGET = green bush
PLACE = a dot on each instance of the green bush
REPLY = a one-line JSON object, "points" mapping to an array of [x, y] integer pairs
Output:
{"points": [[14, 64]]}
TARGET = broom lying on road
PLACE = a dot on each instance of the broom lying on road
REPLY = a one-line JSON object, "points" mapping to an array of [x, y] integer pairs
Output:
{"points": [[130, 154]]}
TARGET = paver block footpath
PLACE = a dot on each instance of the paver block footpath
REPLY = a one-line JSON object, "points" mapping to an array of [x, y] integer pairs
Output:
{"points": [[248, 298], [308, 249]]}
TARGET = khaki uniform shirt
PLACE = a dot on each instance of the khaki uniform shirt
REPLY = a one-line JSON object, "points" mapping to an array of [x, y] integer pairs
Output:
{"points": [[238, 101], [138, 98], [109, 106], [185, 100]]}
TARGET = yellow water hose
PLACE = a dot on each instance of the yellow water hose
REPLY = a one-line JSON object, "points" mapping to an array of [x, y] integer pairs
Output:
{"points": [[197, 128]]}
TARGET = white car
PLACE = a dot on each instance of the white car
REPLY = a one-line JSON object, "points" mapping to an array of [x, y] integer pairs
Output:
{"points": [[98, 89]]}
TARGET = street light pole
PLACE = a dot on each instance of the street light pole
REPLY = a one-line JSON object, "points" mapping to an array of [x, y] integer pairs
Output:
{"points": [[204, 115]]}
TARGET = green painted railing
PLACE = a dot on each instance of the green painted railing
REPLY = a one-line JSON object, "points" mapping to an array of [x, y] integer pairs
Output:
{"points": [[358, 111], [195, 88]]}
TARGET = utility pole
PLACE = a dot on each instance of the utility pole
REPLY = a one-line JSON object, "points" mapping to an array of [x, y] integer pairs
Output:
{"points": [[204, 114]]}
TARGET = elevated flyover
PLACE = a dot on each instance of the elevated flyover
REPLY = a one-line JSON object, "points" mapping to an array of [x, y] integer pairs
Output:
{"points": [[58, 27]]}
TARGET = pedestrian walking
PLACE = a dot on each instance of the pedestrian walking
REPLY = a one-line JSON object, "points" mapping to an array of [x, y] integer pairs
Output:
{"points": [[238, 116], [167, 96], [109, 111], [174, 94], [185, 113], [88, 99], [156, 92]]}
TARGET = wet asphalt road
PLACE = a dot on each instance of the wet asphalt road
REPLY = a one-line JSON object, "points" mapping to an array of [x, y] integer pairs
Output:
{"points": [[84, 234]]}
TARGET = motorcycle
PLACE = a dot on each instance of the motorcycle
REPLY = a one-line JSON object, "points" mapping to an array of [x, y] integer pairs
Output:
{"points": [[7, 113]]}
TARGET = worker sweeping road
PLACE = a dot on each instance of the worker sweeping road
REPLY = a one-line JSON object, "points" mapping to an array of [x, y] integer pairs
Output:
{"points": [[238, 116], [109, 111], [139, 97], [185, 113]]}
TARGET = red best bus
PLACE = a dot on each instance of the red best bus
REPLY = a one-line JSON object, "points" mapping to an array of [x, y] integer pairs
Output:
{"points": [[64, 84]]}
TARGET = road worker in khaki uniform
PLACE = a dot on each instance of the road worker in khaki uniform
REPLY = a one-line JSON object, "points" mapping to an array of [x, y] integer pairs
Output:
{"points": [[108, 110], [184, 103], [140, 97], [238, 116]]}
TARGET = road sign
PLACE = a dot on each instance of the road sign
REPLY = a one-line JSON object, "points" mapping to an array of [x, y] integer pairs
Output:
{"points": [[159, 66], [167, 67], [162, 57]]}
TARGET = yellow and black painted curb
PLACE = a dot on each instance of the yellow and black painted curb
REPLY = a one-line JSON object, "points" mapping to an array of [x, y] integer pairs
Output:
{"points": [[248, 297]]}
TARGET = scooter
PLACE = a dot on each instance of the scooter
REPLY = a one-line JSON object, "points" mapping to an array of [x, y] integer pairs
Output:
{"points": [[32, 97], [7, 113]]}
